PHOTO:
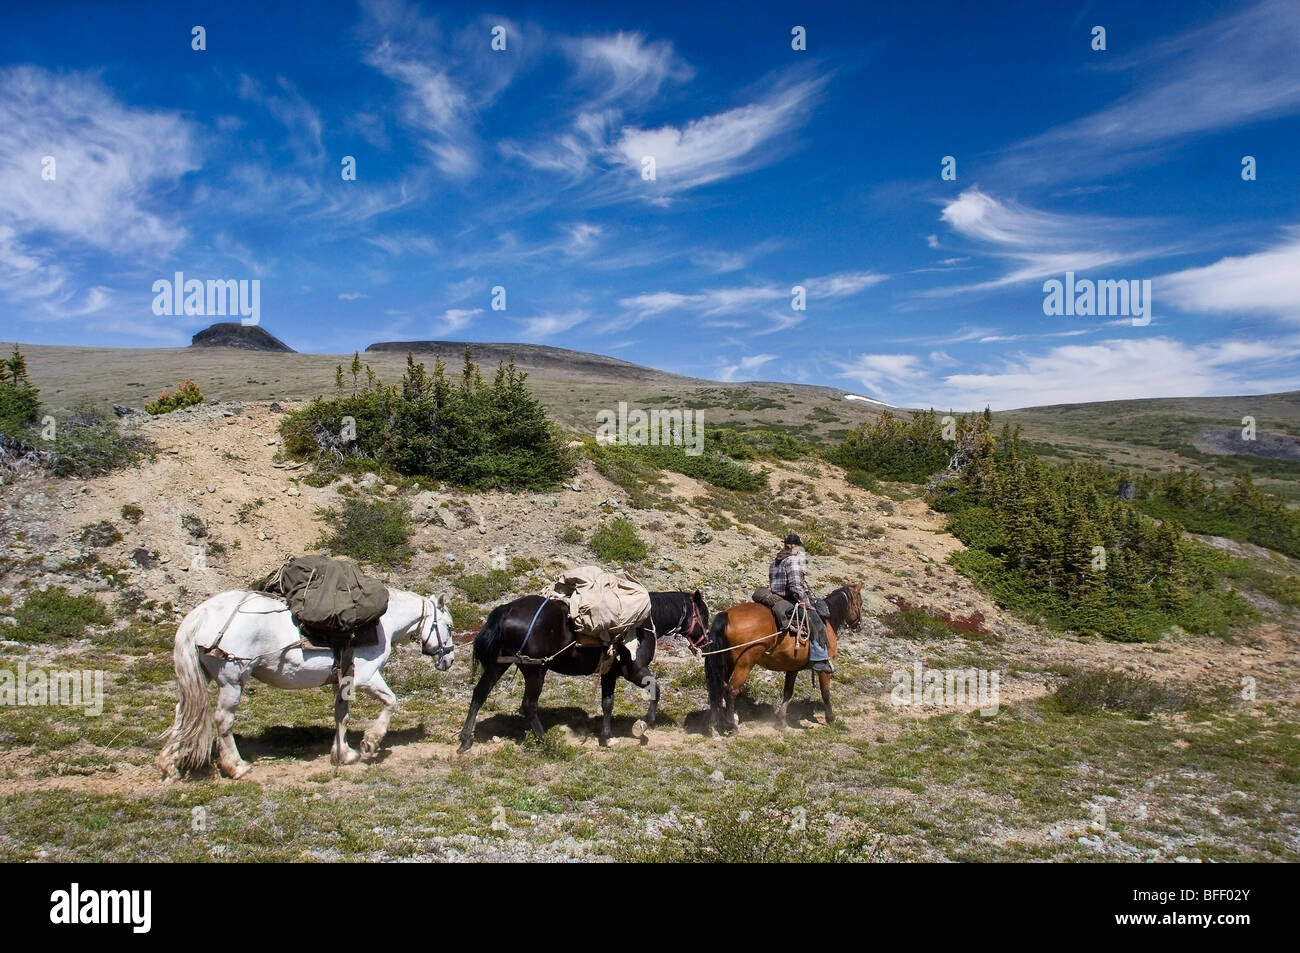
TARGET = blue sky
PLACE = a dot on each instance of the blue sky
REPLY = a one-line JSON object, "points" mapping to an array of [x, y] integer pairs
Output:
{"points": [[773, 168]]}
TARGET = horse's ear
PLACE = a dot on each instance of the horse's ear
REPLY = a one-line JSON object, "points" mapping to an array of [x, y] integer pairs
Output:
{"points": [[858, 587], [697, 597], [442, 601]]}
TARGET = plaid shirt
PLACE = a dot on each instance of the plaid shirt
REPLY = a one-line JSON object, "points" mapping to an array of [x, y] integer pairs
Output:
{"points": [[785, 577]]}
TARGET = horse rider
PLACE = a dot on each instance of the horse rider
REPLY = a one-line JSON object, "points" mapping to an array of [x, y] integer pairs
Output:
{"points": [[785, 577]]}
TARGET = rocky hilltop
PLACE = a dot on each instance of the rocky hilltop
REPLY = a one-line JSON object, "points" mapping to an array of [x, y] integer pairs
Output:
{"points": [[246, 337]]}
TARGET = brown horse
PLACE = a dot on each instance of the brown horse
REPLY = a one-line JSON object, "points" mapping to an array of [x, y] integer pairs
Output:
{"points": [[748, 630]]}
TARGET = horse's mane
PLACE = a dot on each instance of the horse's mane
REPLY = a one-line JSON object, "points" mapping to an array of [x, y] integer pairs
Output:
{"points": [[839, 601]]}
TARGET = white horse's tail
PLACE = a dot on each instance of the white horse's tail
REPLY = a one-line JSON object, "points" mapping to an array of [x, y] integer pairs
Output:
{"points": [[189, 740]]}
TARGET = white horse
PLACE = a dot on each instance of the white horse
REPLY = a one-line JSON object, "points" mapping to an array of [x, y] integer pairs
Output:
{"points": [[253, 635]]}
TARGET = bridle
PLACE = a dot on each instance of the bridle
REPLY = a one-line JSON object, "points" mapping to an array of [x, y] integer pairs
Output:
{"points": [[847, 592], [684, 629], [439, 650]]}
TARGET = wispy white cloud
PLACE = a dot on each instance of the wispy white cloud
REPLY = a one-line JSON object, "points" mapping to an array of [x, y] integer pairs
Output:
{"points": [[743, 299], [443, 83], [1263, 283], [885, 375], [721, 145], [293, 111], [1116, 369], [1038, 243], [112, 162], [1237, 69], [455, 319], [625, 67], [543, 326], [745, 366]]}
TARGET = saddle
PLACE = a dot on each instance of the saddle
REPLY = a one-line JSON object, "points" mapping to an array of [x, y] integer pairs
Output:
{"points": [[789, 617]]}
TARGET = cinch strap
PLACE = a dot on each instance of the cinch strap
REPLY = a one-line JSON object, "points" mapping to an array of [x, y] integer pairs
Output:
{"points": [[529, 633]]}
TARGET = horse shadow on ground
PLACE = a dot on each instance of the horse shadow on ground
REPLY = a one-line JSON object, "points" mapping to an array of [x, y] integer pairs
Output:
{"points": [[311, 741], [512, 725]]}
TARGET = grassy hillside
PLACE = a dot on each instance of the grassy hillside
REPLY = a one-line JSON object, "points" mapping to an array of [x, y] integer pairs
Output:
{"points": [[1154, 435], [1149, 435]]}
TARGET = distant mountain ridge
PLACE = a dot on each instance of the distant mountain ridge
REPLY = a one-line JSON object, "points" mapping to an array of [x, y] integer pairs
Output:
{"points": [[249, 337], [528, 357]]}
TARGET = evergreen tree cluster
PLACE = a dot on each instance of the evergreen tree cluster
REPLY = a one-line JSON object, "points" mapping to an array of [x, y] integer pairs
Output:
{"points": [[1059, 542], [1241, 511], [897, 449], [468, 433]]}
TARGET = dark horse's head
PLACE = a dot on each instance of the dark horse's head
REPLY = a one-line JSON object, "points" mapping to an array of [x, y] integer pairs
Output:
{"points": [[845, 604], [680, 613]]}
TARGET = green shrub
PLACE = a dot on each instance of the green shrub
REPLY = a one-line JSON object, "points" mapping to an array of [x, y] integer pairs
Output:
{"points": [[484, 587], [779, 826], [56, 614], [1139, 696], [978, 528], [471, 434], [132, 513], [465, 615], [571, 535], [618, 541], [194, 526], [98, 534], [88, 442], [708, 467], [897, 449], [860, 478], [373, 531], [186, 395], [916, 624]]}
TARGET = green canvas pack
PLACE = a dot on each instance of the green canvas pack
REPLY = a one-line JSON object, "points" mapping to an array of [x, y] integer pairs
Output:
{"points": [[329, 594]]}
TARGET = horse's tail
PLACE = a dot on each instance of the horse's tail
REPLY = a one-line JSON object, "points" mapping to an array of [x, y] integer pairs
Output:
{"points": [[487, 644], [189, 740], [715, 665]]}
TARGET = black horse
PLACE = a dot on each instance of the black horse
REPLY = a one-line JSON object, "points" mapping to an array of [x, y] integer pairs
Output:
{"points": [[552, 645]]}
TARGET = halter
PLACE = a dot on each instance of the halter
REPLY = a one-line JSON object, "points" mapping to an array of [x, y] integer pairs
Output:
{"points": [[682, 629], [439, 650]]}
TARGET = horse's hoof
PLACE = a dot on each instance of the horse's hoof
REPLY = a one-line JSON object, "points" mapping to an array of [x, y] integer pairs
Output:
{"points": [[638, 729], [241, 770], [604, 742], [464, 748], [349, 756], [369, 746]]}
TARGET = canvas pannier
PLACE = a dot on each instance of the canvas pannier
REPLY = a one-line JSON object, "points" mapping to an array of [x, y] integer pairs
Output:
{"points": [[328, 594], [602, 604]]}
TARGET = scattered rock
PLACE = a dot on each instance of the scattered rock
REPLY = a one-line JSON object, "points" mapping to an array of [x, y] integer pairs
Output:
{"points": [[144, 559]]}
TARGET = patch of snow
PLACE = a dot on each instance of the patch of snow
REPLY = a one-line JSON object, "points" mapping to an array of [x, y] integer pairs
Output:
{"points": [[869, 400]]}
